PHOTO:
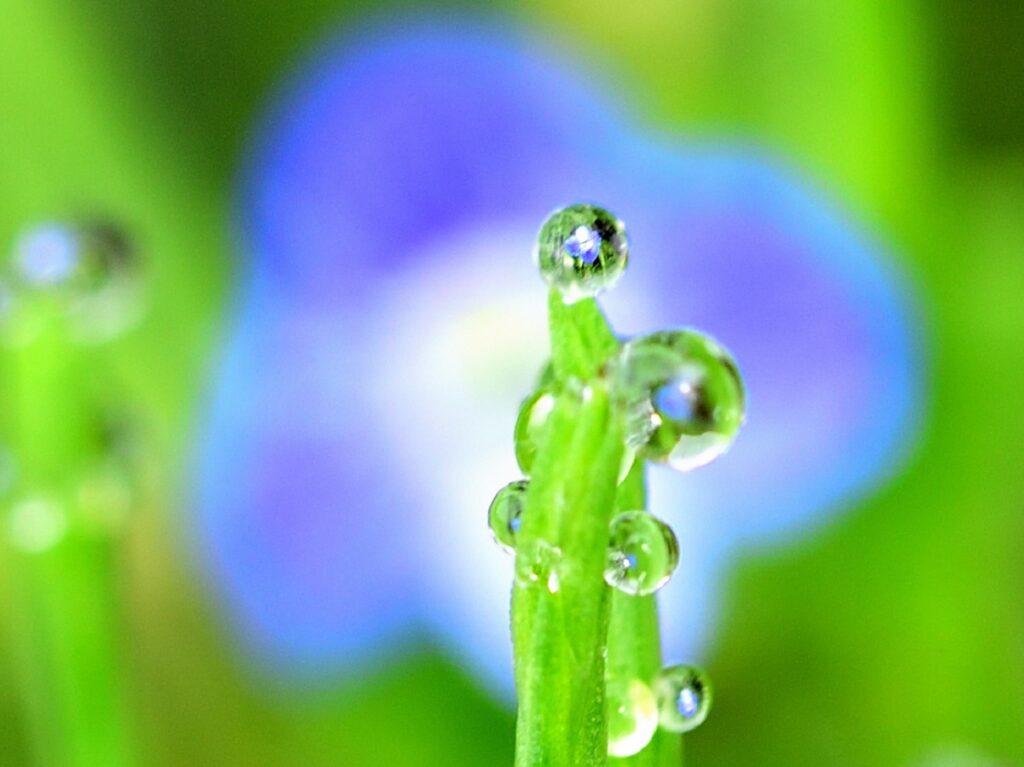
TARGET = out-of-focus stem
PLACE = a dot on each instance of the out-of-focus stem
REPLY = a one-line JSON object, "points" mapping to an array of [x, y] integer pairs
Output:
{"points": [[63, 574]]}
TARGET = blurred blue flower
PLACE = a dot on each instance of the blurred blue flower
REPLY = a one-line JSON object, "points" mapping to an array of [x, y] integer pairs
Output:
{"points": [[390, 320]]}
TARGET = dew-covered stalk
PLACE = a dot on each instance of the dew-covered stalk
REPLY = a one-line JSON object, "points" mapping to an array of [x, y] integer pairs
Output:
{"points": [[560, 602], [59, 545], [589, 555]]}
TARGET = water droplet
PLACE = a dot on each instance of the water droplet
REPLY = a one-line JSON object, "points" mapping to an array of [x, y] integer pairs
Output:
{"points": [[632, 716], [683, 397], [91, 270], [642, 553], [506, 512], [684, 697], [533, 415], [36, 524], [539, 564], [532, 418], [581, 251]]}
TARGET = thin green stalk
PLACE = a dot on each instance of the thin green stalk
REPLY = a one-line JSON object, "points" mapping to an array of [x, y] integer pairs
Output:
{"points": [[566, 633], [560, 601], [65, 591]]}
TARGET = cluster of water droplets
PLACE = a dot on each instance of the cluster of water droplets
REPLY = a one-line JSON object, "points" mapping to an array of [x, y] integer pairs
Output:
{"points": [[681, 398], [86, 276], [677, 700], [93, 501]]}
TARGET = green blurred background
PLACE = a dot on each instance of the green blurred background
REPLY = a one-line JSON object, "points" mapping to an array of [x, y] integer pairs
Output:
{"points": [[894, 636]]}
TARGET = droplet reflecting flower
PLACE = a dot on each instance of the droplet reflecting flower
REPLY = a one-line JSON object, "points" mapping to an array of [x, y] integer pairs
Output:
{"points": [[684, 697], [683, 396], [505, 513], [581, 251], [632, 716], [642, 553], [89, 270]]}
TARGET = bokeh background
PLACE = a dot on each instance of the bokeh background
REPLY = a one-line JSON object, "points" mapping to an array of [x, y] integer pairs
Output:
{"points": [[891, 635]]}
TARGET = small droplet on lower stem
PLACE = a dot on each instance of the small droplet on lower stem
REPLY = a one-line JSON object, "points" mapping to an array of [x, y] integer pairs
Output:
{"points": [[684, 697], [632, 716]]}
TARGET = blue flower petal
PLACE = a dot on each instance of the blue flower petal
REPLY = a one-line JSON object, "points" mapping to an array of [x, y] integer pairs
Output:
{"points": [[290, 524], [393, 319]]}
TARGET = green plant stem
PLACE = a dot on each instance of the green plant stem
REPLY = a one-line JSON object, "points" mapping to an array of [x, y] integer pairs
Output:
{"points": [[65, 598], [563, 637], [560, 627]]}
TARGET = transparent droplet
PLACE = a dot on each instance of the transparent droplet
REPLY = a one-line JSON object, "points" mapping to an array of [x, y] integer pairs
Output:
{"points": [[683, 397], [505, 516], [532, 419], [632, 716], [91, 270], [684, 697], [642, 553], [539, 564], [533, 415], [581, 251], [36, 524]]}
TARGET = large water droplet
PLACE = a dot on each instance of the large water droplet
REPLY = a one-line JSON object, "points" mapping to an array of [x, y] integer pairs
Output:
{"points": [[632, 716], [684, 697], [581, 251], [533, 415], [505, 513], [683, 397], [90, 270], [642, 553], [539, 564]]}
